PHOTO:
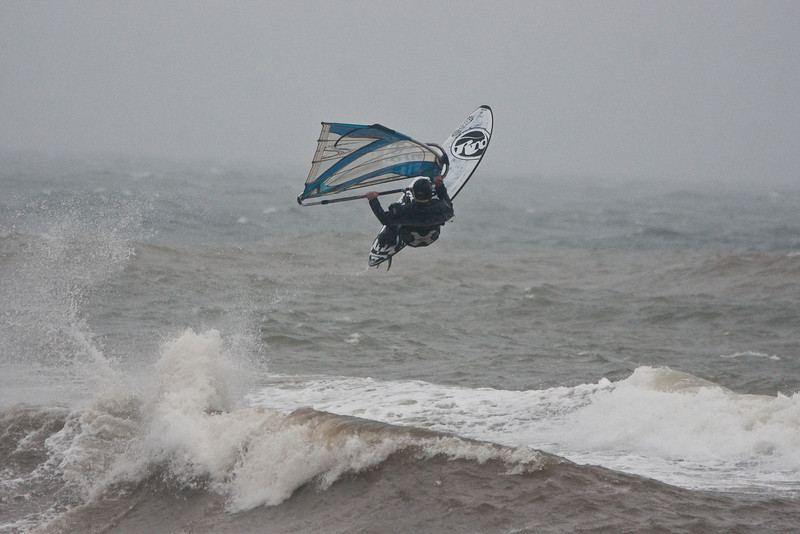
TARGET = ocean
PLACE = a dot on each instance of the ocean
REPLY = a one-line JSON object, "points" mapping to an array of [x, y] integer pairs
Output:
{"points": [[183, 348]]}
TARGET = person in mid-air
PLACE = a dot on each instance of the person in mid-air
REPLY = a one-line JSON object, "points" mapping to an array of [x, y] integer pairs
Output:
{"points": [[418, 218]]}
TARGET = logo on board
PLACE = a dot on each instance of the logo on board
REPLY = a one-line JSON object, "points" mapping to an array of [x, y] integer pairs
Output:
{"points": [[471, 144]]}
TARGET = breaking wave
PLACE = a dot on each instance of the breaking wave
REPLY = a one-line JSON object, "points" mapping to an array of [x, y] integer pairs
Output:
{"points": [[189, 433], [189, 440]]}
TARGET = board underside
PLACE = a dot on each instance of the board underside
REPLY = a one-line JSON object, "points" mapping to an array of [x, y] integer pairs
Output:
{"points": [[465, 149]]}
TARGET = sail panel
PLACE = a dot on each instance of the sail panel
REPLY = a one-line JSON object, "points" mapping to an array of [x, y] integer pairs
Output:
{"points": [[350, 156]]}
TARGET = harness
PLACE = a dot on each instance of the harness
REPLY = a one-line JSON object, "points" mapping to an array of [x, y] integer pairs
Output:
{"points": [[418, 237]]}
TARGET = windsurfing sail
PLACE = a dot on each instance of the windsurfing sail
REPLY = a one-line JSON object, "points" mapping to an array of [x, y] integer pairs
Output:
{"points": [[350, 156]]}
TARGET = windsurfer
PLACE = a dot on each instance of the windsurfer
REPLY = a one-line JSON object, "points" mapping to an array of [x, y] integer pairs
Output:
{"points": [[417, 219]]}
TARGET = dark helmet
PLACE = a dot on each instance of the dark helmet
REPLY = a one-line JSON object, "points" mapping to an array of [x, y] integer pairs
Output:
{"points": [[422, 189]]}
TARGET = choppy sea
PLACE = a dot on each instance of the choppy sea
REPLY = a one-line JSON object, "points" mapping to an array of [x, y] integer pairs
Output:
{"points": [[184, 349]]}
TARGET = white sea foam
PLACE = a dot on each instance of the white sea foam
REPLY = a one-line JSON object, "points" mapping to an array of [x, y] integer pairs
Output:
{"points": [[658, 422], [353, 339], [190, 431], [694, 433], [752, 354]]}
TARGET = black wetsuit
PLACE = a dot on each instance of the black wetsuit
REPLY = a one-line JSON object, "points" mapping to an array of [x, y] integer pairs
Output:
{"points": [[417, 223]]}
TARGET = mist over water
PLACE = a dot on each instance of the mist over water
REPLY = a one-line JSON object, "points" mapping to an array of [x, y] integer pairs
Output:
{"points": [[685, 89], [183, 347]]}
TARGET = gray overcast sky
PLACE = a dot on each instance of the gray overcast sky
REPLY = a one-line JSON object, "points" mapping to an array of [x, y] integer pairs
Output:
{"points": [[650, 89]]}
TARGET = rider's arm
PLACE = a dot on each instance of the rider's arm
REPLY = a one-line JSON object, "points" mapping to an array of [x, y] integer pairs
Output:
{"points": [[441, 193], [398, 212], [377, 209], [441, 190]]}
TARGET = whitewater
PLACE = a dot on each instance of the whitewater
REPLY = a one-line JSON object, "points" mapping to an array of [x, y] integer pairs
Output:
{"points": [[182, 348]]}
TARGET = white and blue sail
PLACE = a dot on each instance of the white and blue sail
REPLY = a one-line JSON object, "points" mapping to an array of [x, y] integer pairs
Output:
{"points": [[350, 156]]}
